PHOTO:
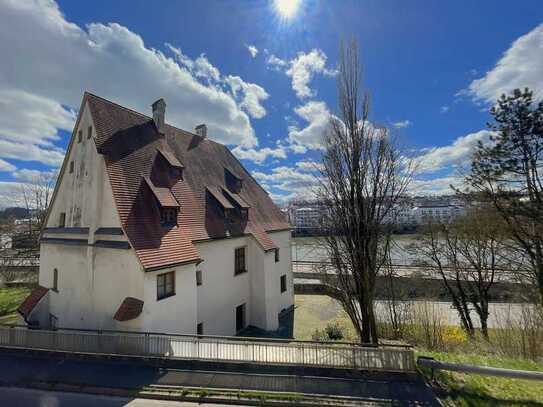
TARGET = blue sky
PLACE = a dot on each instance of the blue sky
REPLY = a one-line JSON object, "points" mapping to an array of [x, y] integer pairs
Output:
{"points": [[264, 84]]}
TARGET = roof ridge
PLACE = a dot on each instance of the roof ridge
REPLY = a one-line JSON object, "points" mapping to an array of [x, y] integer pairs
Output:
{"points": [[87, 93]]}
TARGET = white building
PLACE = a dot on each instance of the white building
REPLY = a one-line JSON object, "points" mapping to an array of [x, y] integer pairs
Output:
{"points": [[153, 228], [437, 213]]}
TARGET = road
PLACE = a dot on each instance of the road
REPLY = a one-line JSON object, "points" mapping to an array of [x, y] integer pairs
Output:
{"points": [[18, 397], [18, 369]]}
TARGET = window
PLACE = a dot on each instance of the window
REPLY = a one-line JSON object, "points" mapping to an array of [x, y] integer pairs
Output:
{"points": [[89, 132], [176, 172], [79, 136], [55, 280], [277, 255], [198, 277], [200, 329], [239, 255], [168, 216], [240, 317], [62, 220], [283, 283], [71, 167], [165, 285]]}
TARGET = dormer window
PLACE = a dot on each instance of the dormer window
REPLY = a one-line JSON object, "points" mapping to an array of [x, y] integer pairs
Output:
{"points": [[176, 172], [244, 213], [233, 182], [168, 216], [174, 166], [166, 202]]}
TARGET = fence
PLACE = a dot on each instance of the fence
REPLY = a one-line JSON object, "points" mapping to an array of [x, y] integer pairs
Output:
{"points": [[211, 348], [428, 362]]}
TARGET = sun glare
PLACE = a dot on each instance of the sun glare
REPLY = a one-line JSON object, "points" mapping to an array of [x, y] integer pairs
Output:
{"points": [[287, 8]]}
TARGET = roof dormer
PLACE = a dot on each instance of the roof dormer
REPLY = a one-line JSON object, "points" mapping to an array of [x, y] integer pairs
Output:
{"points": [[233, 182]]}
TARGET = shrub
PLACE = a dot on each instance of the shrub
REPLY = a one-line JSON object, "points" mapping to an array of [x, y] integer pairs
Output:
{"points": [[332, 332]]}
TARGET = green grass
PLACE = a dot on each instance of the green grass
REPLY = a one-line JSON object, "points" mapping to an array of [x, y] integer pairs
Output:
{"points": [[471, 390], [10, 299], [315, 312]]}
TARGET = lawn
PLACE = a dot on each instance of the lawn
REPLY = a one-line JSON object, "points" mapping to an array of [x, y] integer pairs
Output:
{"points": [[315, 312], [455, 389], [10, 299], [471, 390]]}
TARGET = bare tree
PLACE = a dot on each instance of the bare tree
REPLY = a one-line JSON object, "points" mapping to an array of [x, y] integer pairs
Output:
{"points": [[36, 196], [468, 254], [363, 175]]}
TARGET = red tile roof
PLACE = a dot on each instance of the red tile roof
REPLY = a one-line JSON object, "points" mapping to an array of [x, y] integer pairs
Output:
{"points": [[236, 198], [130, 144], [129, 309], [163, 195], [221, 199], [32, 300]]}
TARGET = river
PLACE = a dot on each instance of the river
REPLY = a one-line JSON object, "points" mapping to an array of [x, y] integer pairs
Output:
{"points": [[501, 314]]}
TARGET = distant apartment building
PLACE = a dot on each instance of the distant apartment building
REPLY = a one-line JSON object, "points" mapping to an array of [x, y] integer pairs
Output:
{"points": [[437, 213], [306, 216]]}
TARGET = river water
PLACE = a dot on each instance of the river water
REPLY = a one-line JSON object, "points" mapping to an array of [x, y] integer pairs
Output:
{"points": [[311, 249], [501, 314]]}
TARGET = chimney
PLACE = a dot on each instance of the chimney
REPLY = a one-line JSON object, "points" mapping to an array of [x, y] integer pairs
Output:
{"points": [[159, 111], [201, 130]]}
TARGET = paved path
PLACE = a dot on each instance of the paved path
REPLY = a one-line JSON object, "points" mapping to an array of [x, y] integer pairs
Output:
{"points": [[16, 369], [17, 397]]}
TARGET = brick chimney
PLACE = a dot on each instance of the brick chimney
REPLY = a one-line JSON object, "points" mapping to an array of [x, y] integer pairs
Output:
{"points": [[159, 111], [201, 130]]}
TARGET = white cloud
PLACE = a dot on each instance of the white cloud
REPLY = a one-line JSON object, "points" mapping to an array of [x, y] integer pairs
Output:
{"points": [[301, 70], [259, 155], [457, 153], [114, 62], [435, 186], [276, 62], [251, 96], [309, 165], [402, 124], [10, 194], [303, 67], [202, 68], [288, 179], [520, 66], [317, 115], [31, 152], [444, 109], [27, 175], [252, 50], [28, 118], [6, 167]]}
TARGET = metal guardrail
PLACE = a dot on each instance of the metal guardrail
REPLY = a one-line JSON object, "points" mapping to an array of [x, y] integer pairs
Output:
{"points": [[433, 364], [211, 348]]}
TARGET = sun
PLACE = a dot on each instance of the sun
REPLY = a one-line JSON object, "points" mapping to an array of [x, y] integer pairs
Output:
{"points": [[287, 8]]}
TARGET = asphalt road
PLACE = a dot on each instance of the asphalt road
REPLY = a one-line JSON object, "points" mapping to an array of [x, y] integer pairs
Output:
{"points": [[18, 397], [18, 369]]}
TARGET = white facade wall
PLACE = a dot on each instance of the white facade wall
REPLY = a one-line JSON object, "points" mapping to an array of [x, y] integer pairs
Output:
{"points": [[175, 314], [259, 288]]}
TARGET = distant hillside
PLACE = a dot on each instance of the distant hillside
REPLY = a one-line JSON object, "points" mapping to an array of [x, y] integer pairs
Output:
{"points": [[13, 213]]}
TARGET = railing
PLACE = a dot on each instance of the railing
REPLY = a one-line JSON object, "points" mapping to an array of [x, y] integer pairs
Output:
{"points": [[211, 348], [430, 363]]}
